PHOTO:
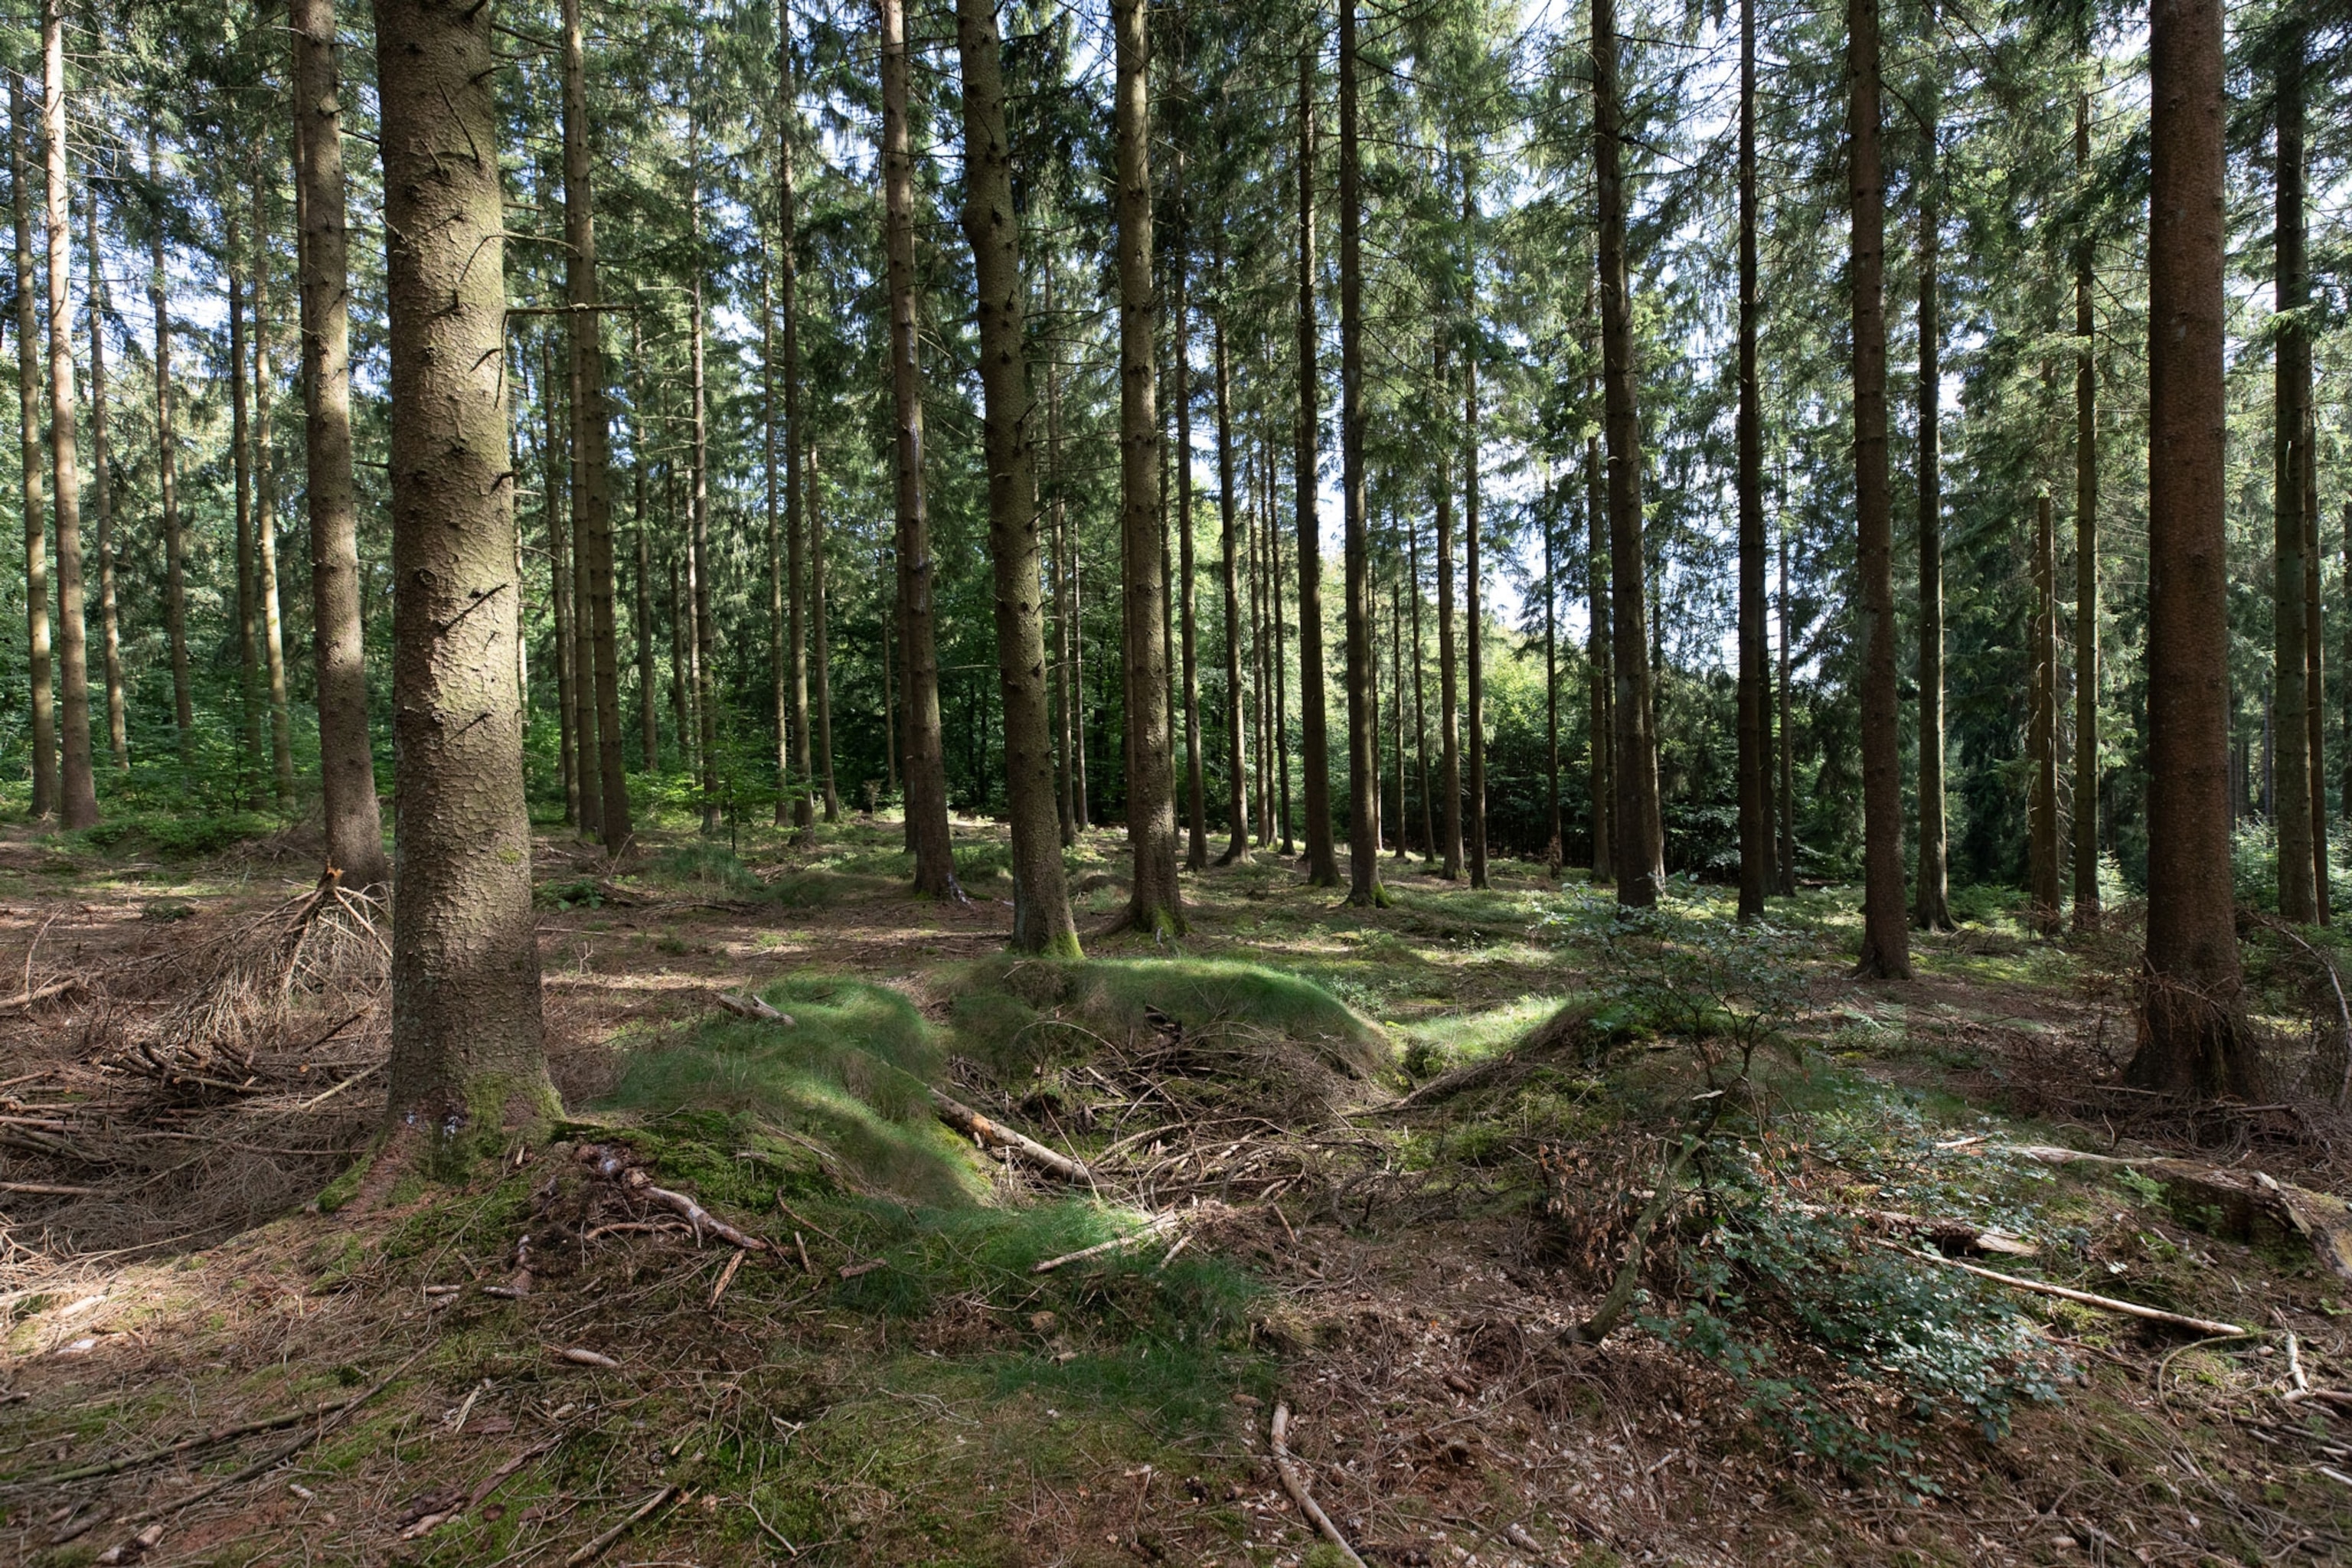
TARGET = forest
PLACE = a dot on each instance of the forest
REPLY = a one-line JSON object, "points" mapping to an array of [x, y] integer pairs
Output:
{"points": [[1232, 782]]}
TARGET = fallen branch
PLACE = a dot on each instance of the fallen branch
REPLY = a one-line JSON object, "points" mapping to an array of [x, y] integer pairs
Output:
{"points": [[2084, 1297], [480, 1494], [1295, 1484], [579, 1357], [169, 1450], [2322, 1219], [610, 1164], [26, 998], [1952, 1232], [49, 1189], [596, 1548], [1159, 1225], [965, 1120], [751, 1007], [726, 1278], [284, 1451]]}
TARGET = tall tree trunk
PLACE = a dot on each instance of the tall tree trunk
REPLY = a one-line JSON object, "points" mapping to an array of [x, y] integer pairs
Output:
{"points": [[1931, 906], [1473, 586], [1229, 540], [2042, 741], [889, 636], [1067, 728], [352, 815], [2291, 810], [1785, 861], [795, 442], [1280, 657], [466, 1023], [1599, 641], [1755, 754], [1196, 803], [2314, 706], [1363, 738], [167, 491], [559, 583], [1153, 906], [926, 768], [2086, 558], [1639, 855], [1041, 904], [1314, 705], [1449, 725], [78, 786], [102, 485], [591, 453], [28, 411], [240, 394], [648, 685], [1885, 923], [2190, 1037], [1421, 709], [778, 660], [265, 513], [706, 705], [814, 499], [585, 754], [1552, 852], [681, 717]]}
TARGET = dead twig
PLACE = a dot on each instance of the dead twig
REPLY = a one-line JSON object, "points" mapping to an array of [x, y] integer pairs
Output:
{"points": [[1295, 1484], [2082, 1297], [598, 1546], [610, 1164], [965, 1120], [1158, 1225]]}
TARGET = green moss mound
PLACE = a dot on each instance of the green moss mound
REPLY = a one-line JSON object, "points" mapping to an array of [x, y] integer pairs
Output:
{"points": [[844, 1088]]}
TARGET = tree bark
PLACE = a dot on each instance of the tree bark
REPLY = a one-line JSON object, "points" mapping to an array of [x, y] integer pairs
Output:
{"points": [[352, 815], [102, 484], [1931, 905], [167, 488], [2043, 742], [2086, 559], [1041, 904], [926, 772], [1755, 742], [265, 514], [1885, 923], [1599, 640], [1640, 853], [1237, 758], [1314, 705], [2294, 779], [240, 394], [29, 409], [591, 452], [78, 786], [466, 1024], [812, 499], [705, 707], [2190, 1039], [1363, 740], [1153, 906]]}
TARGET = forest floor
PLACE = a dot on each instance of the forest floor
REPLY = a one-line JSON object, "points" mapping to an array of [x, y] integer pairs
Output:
{"points": [[1372, 1166]]}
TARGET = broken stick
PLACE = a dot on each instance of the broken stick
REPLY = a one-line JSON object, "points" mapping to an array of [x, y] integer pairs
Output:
{"points": [[1159, 1225], [965, 1120], [1295, 1484], [749, 1007], [609, 1164], [596, 1548], [2084, 1297]]}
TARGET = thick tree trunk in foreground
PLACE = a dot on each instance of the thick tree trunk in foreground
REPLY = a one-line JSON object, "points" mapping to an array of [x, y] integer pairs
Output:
{"points": [[352, 818], [1041, 904], [2290, 681], [2041, 742], [1153, 907], [1639, 856], [2190, 1037], [926, 768], [1314, 705], [1931, 902], [1755, 738], [591, 454], [465, 1021], [101, 486], [77, 787], [28, 411], [2086, 563], [1363, 740], [1886, 922]]}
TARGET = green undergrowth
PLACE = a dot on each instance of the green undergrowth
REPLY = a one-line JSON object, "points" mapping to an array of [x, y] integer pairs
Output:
{"points": [[1022, 1015]]}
